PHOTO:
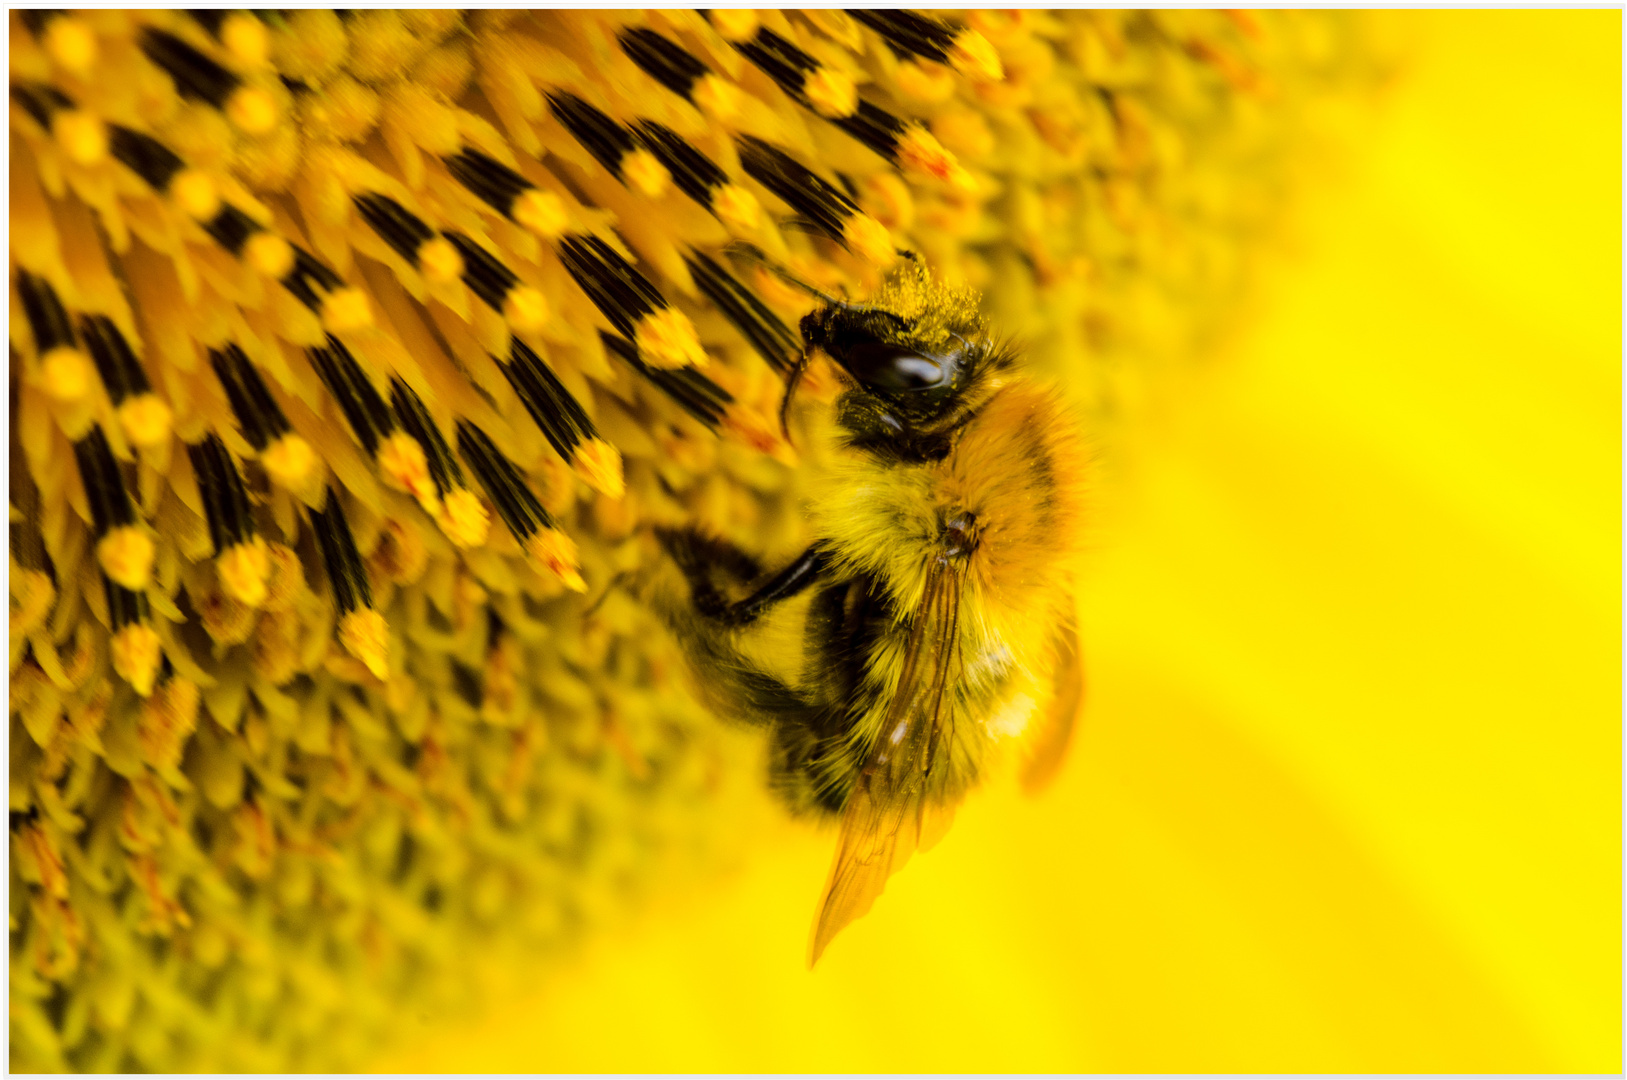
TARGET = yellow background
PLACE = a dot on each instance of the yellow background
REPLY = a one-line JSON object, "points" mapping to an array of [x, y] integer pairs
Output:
{"points": [[1348, 794]]}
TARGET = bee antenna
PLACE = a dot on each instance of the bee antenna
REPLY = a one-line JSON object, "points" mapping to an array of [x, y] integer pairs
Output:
{"points": [[791, 381], [756, 254]]}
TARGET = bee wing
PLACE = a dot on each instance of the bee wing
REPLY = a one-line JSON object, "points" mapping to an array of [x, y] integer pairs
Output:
{"points": [[889, 816], [1054, 725]]}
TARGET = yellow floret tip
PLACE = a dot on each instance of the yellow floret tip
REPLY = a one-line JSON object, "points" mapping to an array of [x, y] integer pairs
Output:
{"points": [[830, 92], [289, 461], [243, 570], [540, 212], [667, 339], [440, 262], [738, 209], [974, 57], [69, 41], [870, 240], [718, 98], [642, 172], [196, 194], [270, 255], [366, 636], [735, 24], [599, 463], [526, 309], [401, 459], [83, 137], [346, 309], [557, 552], [136, 654], [126, 555], [246, 38], [145, 419], [66, 373], [252, 110], [464, 518]]}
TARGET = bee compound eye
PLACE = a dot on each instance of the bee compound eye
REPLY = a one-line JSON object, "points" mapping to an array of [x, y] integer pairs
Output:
{"points": [[891, 368]]}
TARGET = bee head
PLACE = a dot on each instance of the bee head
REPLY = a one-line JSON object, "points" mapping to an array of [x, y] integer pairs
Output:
{"points": [[916, 356]]}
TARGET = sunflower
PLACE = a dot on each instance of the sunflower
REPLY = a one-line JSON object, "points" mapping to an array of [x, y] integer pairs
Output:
{"points": [[356, 356]]}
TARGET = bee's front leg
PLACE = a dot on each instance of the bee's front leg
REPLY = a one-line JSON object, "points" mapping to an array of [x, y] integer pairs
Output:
{"points": [[702, 559]]}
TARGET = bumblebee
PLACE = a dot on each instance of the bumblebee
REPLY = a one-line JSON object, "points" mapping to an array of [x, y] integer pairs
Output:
{"points": [[932, 617]]}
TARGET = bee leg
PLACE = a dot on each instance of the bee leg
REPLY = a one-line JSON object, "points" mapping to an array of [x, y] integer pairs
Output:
{"points": [[702, 559], [802, 572]]}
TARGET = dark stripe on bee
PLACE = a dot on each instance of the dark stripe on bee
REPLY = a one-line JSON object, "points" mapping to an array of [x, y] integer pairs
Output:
{"points": [[504, 483], [395, 224], [41, 102], [346, 574], [231, 228], [416, 421], [121, 373], [361, 403], [309, 271], [780, 60], [663, 60], [225, 500], [608, 141], [45, 313], [196, 76], [494, 183], [617, 289], [772, 339], [909, 33], [124, 606], [110, 505], [699, 396], [821, 204], [562, 419], [486, 277], [258, 415], [695, 174], [145, 156]]}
